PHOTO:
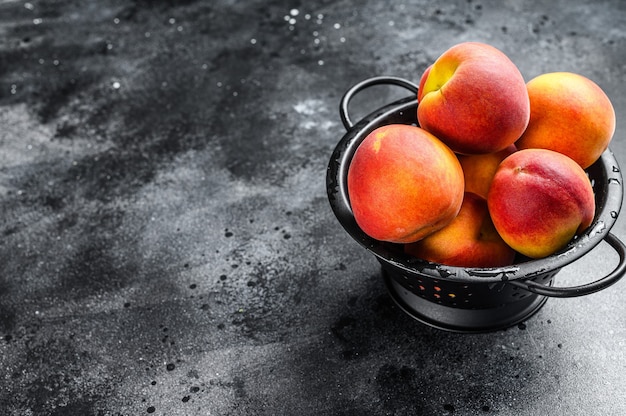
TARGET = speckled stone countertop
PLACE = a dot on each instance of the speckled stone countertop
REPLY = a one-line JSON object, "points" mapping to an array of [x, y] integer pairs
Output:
{"points": [[167, 243]]}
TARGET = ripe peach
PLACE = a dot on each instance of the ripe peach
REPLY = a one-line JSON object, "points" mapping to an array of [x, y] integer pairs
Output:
{"points": [[469, 240], [569, 114], [538, 200], [403, 184], [478, 170], [473, 98]]}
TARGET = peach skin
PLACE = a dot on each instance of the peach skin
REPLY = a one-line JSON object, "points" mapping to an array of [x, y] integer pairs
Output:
{"points": [[473, 98], [403, 184], [478, 170], [539, 200], [569, 114], [470, 240]]}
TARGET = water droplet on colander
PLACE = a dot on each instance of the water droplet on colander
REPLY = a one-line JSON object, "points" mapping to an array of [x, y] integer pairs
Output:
{"points": [[446, 273], [504, 273], [598, 228]]}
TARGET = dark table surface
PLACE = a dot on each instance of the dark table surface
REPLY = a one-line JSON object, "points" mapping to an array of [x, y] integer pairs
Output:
{"points": [[167, 242]]}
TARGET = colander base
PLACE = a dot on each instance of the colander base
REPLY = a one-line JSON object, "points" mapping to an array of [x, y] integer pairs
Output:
{"points": [[460, 319]]}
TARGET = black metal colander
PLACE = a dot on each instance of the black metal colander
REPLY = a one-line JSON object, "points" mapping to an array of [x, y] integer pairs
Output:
{"points": [[470, 299]]}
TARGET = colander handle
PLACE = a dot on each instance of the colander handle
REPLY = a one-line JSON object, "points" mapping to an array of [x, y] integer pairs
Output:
{"points": [[586, 289], [347, 97]]}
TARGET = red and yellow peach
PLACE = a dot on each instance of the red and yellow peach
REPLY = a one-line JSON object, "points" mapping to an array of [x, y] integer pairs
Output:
{"points": [[569, 114], [539, 200], [478, 170], [469, 240], [403, 184], [474, 99]]}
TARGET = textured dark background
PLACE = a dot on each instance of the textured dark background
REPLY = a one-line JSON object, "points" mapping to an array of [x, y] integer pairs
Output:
{"points": [[167, 246]]}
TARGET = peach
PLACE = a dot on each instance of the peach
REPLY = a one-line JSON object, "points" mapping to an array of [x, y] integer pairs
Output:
{"points": [[470, 240], [478, 170], [403, 184], [569, 114], [474, 99], [539, 200]]}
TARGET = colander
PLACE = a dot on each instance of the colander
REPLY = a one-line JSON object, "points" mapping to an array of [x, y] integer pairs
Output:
{"points": [[470, 299]]}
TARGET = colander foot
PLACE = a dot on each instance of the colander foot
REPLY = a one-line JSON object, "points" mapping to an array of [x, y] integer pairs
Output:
{"points": [[459, 319]]}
